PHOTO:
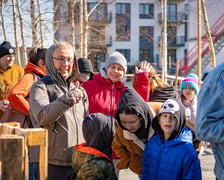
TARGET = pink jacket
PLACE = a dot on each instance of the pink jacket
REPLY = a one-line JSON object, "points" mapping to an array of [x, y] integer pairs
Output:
{"points": [[103, 95]]}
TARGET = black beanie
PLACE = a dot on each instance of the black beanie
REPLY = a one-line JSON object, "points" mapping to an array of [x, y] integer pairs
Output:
{"points": [[5, 49], [85, 65]]}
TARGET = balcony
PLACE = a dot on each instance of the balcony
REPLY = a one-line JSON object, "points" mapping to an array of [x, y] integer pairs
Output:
{"points": [[176, 41], [174, 1], [174, 18]]}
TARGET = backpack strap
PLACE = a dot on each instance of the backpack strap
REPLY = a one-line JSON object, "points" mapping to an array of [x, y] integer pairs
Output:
{"points": [[49, 83]]}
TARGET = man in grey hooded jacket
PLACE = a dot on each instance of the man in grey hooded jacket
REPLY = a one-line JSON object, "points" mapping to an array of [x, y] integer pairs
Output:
{"points": [[61, 110]]}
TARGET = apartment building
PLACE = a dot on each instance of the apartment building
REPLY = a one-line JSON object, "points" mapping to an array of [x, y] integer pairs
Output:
{"points": [[134, 28]]}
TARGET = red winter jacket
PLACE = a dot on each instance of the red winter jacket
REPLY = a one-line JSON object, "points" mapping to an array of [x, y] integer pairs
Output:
{"points": [[103, 95]]}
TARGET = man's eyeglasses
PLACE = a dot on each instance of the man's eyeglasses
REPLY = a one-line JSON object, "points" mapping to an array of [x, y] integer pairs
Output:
{"points": [[62, 60]]}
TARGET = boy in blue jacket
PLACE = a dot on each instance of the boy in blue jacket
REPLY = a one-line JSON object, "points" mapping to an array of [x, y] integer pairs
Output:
{"points": [[170, 153]]}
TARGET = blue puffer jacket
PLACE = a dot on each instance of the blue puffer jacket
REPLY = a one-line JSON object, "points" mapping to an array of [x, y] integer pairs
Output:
{"points": [[174, 159]]}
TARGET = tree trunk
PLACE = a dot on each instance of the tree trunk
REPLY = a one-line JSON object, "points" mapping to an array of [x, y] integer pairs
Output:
{"points": [[24, 54], [72, 21], [15, 34], [34, 23], [3, 21], [85, 29], [208, 34], [81, 29], [40, 24], [164, 66]]}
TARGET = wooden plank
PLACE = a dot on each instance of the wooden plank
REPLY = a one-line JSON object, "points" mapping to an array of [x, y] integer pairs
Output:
{"points": [[32, 137], [40, 137], [12, 157]]}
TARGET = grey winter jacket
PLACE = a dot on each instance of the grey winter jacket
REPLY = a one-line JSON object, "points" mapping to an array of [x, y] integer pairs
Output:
{"points": [[62, 117], [210, 116]]}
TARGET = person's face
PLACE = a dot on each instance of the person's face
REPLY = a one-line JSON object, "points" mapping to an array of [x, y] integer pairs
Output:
{"points": [[188, 92], [63, 61], [115, 72], [7, 61], [41, 64], [130, 121], [167, 123]]}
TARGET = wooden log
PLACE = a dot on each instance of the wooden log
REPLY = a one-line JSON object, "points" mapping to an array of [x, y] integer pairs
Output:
{"points": [[12, 157]]}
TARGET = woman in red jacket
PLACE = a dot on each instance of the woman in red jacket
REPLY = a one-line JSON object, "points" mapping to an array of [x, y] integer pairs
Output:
{"points": [[35, 69], [106, 87]]}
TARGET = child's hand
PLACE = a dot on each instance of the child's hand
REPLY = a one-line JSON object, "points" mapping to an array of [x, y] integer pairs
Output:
{"points": [[144, 67]]}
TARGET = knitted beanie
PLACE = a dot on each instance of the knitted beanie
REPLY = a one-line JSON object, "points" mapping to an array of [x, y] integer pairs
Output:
{"points": [[85, 65], [191, 82], [193, 76], [5, 49], [116, 58]]}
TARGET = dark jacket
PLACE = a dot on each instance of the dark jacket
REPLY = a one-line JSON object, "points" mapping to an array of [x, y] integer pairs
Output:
{"points": [[162, 94], [90, 163], [92, 160]]}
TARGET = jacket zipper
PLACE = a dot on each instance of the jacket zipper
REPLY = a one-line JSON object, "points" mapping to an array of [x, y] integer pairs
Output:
{"points": [[111, 105]]}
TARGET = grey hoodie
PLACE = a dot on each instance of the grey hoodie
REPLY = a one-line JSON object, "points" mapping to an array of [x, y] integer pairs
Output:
{"points": [[63, 114]]}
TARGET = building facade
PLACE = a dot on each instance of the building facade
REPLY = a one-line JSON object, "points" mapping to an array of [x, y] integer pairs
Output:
{"points": [[134, 28]]}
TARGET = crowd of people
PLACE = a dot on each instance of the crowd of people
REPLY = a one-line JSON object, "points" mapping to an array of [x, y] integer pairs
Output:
{"points": [[98, 126]]}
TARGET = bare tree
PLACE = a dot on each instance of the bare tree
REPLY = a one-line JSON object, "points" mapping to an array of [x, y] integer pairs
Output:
{"points": [[24, 56], [3, 20], [40, 24], [81, 30], [34, 23], [72, 20], [84, 25], [15, 33]]}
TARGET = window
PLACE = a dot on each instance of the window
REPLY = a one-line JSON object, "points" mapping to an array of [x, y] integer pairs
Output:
{"points": [[146, 11], [171, 57], [123, 22], [171, 12], [122, 8], [100, 13], [171, 35], [126, 53], [146, 39]]}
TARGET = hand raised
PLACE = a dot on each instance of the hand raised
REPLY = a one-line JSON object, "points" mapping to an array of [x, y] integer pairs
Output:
{"points": [[144, 67]]}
